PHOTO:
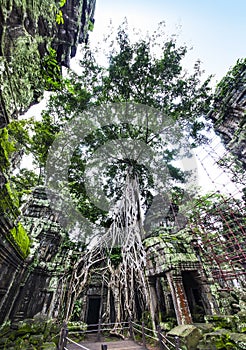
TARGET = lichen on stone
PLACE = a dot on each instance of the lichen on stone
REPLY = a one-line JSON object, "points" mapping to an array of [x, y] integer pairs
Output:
{"points": [[21, 239]]}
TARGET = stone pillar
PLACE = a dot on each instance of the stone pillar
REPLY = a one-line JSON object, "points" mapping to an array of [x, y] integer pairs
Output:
{"points": [[179, 299], [153, 299]]}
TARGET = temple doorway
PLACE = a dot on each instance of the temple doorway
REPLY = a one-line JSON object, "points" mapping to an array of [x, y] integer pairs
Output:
{"points": [[93, 311], [192, 288]]}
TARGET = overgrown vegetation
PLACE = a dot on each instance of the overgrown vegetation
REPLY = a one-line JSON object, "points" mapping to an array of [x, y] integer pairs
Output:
{"points": [[135, 73], [235, 79], [21, 239]]}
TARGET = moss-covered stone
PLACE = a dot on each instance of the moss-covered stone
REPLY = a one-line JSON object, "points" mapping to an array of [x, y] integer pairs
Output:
{"points": [[239, 340], [222, 321], [165, 252], [77, 326], [48, 346], [188, 334], [31, 34], [21, 238], [38, 333], [6, 148], [204, 327]]}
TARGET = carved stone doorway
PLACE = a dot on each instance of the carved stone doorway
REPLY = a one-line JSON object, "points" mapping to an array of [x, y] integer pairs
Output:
{"points": [[193, 290], [93, 310]]}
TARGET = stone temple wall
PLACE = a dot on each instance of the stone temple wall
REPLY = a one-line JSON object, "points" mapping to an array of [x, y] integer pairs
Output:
{"points": [[28, 31], [229, 112], [33, 286], [32, 35]]}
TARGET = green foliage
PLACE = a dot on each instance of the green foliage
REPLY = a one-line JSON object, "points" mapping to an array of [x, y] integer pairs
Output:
{"points": [[147, 319], [62, 3], [12, 195], [115, 256], [134, 73], [51, 71], [59, 17], [6, 148], [59, 14], [16, 139], [9, 203], [21, 239], [43, 137], [224, 343], [24, 182], [20, 134], [90, 26], [77, 309], [234, 79]]}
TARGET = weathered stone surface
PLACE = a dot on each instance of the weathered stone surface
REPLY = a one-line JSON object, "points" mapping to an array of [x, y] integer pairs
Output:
{"points": [[30, 334], [239, 339], [168, 251], [228, 114], [37, 288], [28, 29], [48, 346], [188, 334], [173, 256], [204, 327]]}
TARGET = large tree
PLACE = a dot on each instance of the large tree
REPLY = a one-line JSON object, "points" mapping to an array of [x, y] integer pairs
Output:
{"points": [[146, 73]]}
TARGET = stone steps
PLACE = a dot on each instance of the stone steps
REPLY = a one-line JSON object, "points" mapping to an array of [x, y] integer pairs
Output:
{"points": [[111, 345]]}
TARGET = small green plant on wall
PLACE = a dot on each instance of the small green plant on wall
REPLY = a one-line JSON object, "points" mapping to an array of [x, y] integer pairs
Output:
{"points": [[224, 343], [59, 14], [21, 239], [51, 71]]}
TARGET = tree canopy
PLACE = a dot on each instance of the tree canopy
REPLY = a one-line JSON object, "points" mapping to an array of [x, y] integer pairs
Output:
{"points": [[147, 71]]}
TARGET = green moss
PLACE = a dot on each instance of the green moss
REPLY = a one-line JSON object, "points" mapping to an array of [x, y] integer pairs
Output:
{"points": [[6, 148], [21, 78], [9, 204], [48, 346], [21, 239]]}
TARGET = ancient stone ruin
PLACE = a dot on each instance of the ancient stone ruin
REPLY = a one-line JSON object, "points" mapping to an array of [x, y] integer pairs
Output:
{"points": [[187, 276]]}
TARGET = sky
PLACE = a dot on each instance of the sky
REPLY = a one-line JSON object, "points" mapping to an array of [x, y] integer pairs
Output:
{"points": [[214, 28]]}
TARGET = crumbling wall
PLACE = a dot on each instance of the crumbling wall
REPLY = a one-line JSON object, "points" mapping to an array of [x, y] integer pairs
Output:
{"points": [[32, 35], [174, 265], [36, 39], [37, 290], [229, 112]]}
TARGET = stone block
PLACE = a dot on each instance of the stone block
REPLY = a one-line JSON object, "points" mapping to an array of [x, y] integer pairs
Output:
{"points": [[189, 335], [48, 346], [204, 327], [241, 316], [223, 321], [241, 327], [239, 339], [219, 339]]}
